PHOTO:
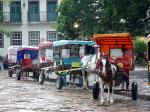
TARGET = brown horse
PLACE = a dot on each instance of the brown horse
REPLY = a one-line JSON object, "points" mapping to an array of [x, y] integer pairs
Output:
{"points": [[106, 72]]}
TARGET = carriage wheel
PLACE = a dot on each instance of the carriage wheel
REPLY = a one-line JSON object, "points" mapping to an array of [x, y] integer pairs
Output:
{"points": [[80, 82], [134, 91], [59, 82], [10, 73], [95, 90], [18, 76], [41, 78]]}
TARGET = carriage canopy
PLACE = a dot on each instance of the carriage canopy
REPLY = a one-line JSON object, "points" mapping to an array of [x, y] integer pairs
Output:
{"points": [[75, 42], [114, 39], [70, 50], [118, 46], [33, 51], [12, 53], [46, 52], [45, 44]]}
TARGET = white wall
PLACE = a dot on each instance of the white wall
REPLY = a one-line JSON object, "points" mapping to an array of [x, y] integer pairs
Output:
{"points": [[25, 27]]}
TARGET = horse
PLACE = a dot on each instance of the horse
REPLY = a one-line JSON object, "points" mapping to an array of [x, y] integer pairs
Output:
{"points": [[88, 65], [106, 73], [101, 68]]}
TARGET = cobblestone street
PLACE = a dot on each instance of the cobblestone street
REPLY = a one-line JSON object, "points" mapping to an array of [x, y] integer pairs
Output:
{"points": [[28, 96]]}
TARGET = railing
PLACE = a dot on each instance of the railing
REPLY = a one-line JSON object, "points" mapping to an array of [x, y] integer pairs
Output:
{"points": [[12, 16], [51, 16], [42, 17]]}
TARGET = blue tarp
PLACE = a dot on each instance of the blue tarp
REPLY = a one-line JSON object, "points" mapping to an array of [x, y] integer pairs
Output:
{"points": [[67, 42]]}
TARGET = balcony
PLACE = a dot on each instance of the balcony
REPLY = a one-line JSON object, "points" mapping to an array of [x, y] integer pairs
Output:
{"points": [[42, 17], [12, 17]]}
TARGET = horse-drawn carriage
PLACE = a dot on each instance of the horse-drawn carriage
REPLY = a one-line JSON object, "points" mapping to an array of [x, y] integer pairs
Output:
{"points": [[46, 61], [26, 62], [12, 60], [113, 61], [65, 64], [67, 59]]}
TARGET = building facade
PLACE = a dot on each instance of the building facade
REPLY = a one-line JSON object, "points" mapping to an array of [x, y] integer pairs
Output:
{"points": [[28, 22]]}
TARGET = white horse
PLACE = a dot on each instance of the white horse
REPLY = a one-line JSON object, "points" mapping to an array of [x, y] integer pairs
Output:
{"points": [[88, 64], [103, 74]]}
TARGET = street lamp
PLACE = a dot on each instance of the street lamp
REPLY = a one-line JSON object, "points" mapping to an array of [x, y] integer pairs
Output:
{"points": [[76, 25]]}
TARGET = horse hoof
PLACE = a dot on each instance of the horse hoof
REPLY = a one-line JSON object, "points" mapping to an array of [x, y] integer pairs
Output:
{"points": [[102, 102], [85, 88], [111, 101]]}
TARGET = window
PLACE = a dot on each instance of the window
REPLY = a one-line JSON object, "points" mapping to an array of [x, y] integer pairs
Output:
{"points": [[16, 38], [116, 53], [34, 38], [1, 6], [15, 11], [51, 36], [1, 40], [51, 11], [33, 11], [1, 11]]}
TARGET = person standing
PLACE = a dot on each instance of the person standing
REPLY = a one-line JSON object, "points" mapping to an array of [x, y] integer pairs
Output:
{"points": [[1, 65]]}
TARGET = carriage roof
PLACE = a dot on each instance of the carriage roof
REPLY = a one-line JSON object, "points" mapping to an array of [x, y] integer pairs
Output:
{"points": [[45, 44], [23, 48], [73, 42], [33, 51], [13, 48], [113, 39]]}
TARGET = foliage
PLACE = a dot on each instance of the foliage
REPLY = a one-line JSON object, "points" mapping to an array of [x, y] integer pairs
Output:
{"points": [[141, 61], [123, 16], [82, 12], [140, 45], [102, 16]]}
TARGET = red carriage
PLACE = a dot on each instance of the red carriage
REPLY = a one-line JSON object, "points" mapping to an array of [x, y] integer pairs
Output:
{"points": [[27, 62], [118, 47], [119, 50]]}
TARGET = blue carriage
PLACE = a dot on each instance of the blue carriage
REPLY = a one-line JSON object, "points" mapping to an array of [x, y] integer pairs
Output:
{"points": [[67, 56]]}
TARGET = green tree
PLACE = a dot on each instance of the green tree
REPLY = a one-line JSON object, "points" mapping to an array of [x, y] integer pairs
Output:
{"points": [[140, 47], [123, 16], [83, 12], [102, 16]]}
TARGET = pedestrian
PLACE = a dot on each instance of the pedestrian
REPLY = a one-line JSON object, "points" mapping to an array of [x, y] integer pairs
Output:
{"points": [[1, 64]]}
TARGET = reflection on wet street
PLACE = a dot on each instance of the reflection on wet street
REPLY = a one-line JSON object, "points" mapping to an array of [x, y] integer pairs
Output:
{"points": [[27, 95]]}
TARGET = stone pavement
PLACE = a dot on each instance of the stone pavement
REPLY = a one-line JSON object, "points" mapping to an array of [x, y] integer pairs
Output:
{"points": [[140, 75], [28, 96]]}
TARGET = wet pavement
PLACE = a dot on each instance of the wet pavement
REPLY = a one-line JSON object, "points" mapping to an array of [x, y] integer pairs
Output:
{"points": [[140, 75], [28, 96]]}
